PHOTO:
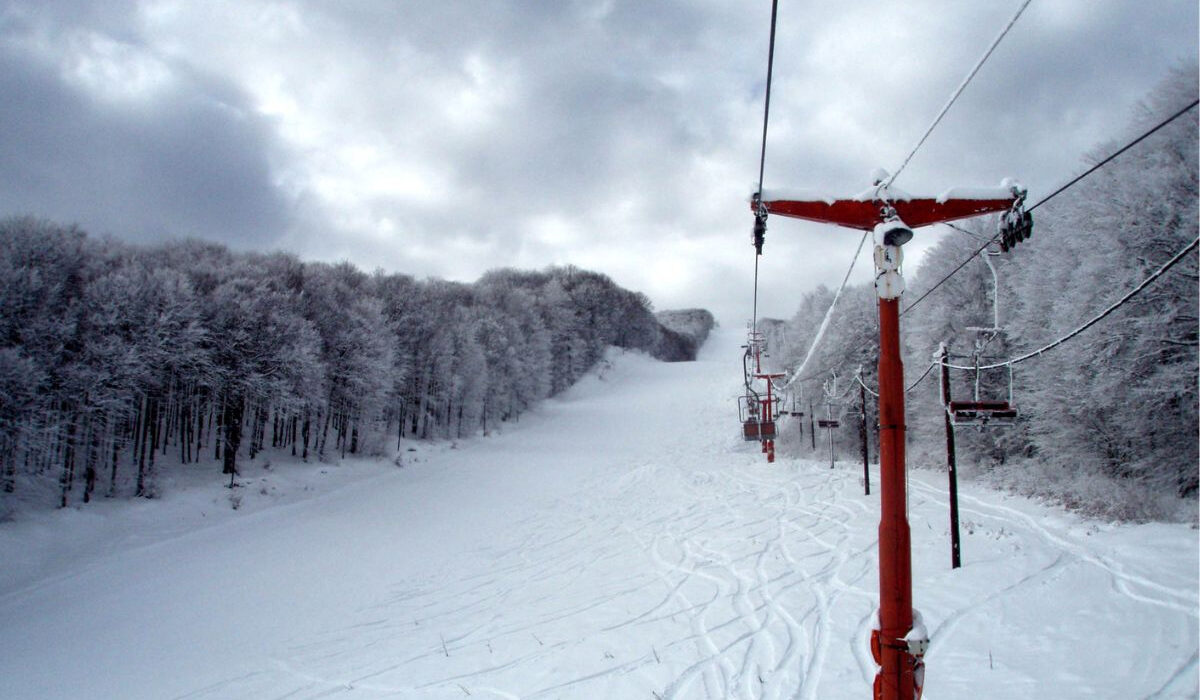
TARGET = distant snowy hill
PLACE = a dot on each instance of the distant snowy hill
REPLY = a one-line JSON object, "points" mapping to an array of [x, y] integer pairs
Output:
{"points": [[685, 331]]}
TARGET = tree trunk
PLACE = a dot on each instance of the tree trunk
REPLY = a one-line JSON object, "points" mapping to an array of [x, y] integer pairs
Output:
{"points": [[218, 425], [155, 436], [304, 432], [201, 408], [231, 421], [93, 454], [324, 433], [140, 449], [116, 455], [67, 477], [253, 449], [185, 427], [168, 423], [8, 454], [262, 428]]}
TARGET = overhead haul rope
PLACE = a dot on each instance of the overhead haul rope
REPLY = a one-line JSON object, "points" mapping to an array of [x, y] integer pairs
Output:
{"points": [[1128, 146], [892, 178], [919, 380], [858, 378], [869, 390], [746, 375], [828, 313], [1027, 356], [953, 98], [760, 214], [872, 392], [1096, 319], [1133, 292], [1052, 195]]}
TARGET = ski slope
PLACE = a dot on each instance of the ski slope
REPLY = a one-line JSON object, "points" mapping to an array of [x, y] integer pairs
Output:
{"points": [[619, 542]]}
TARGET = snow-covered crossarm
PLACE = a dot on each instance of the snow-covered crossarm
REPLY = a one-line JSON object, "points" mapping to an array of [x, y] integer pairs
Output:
{"points": [[863, 210], [864, 215]]}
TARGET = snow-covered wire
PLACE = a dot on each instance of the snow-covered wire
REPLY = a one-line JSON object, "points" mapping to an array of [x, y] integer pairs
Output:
{"points": [[829, 313], [911, 387], [872, 392], [1127, 146], [919, 379], [1050, 196], [754, 312], [962, 86], [1113, 307], [952, 273], [762, 159], [845, 393]]}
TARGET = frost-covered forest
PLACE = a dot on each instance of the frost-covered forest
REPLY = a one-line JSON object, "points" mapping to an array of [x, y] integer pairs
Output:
{"points": [[116, 360], [1108, 419]]}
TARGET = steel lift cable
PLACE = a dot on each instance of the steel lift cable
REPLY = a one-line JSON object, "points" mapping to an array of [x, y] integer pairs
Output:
{"points": [[953, 98], [919, 379], [760, 216], [1104, 162], [828, 313], [1096, 319], [1053, 194], [914, 385]]}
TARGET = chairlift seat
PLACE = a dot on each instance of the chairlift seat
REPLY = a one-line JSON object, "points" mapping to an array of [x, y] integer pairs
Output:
{"points": [[753, 430], [981, 412]]}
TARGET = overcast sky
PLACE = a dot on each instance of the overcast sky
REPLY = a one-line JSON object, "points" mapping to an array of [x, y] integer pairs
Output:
{"points": [[446, 138]]}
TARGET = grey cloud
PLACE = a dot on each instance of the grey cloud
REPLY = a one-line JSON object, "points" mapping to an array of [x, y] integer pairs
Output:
{"points": [[652, 106], [192, 161]]}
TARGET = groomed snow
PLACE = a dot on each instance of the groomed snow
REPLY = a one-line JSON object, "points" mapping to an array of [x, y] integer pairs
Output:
{"points": [[620, 542]]}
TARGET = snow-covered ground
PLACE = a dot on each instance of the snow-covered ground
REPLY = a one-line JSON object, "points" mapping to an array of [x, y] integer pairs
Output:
{"points": [[619, 542]]}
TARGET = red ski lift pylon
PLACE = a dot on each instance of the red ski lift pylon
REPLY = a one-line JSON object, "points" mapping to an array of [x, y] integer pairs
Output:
{"points": [[899, 647]]}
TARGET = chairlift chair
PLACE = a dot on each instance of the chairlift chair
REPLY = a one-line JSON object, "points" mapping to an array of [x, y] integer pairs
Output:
{"points": [[755, 426], [996, 411], [981, 413], [984, 412], [757, 411]]}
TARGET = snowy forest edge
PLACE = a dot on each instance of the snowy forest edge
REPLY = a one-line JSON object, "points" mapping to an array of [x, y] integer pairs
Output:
{"points": [[119, 361]]}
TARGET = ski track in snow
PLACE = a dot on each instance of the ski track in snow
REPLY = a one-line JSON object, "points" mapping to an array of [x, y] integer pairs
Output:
{"points": [[675, 563]]}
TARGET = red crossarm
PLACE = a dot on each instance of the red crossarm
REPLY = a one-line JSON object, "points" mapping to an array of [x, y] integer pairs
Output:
{"points": [[866, 214]]}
